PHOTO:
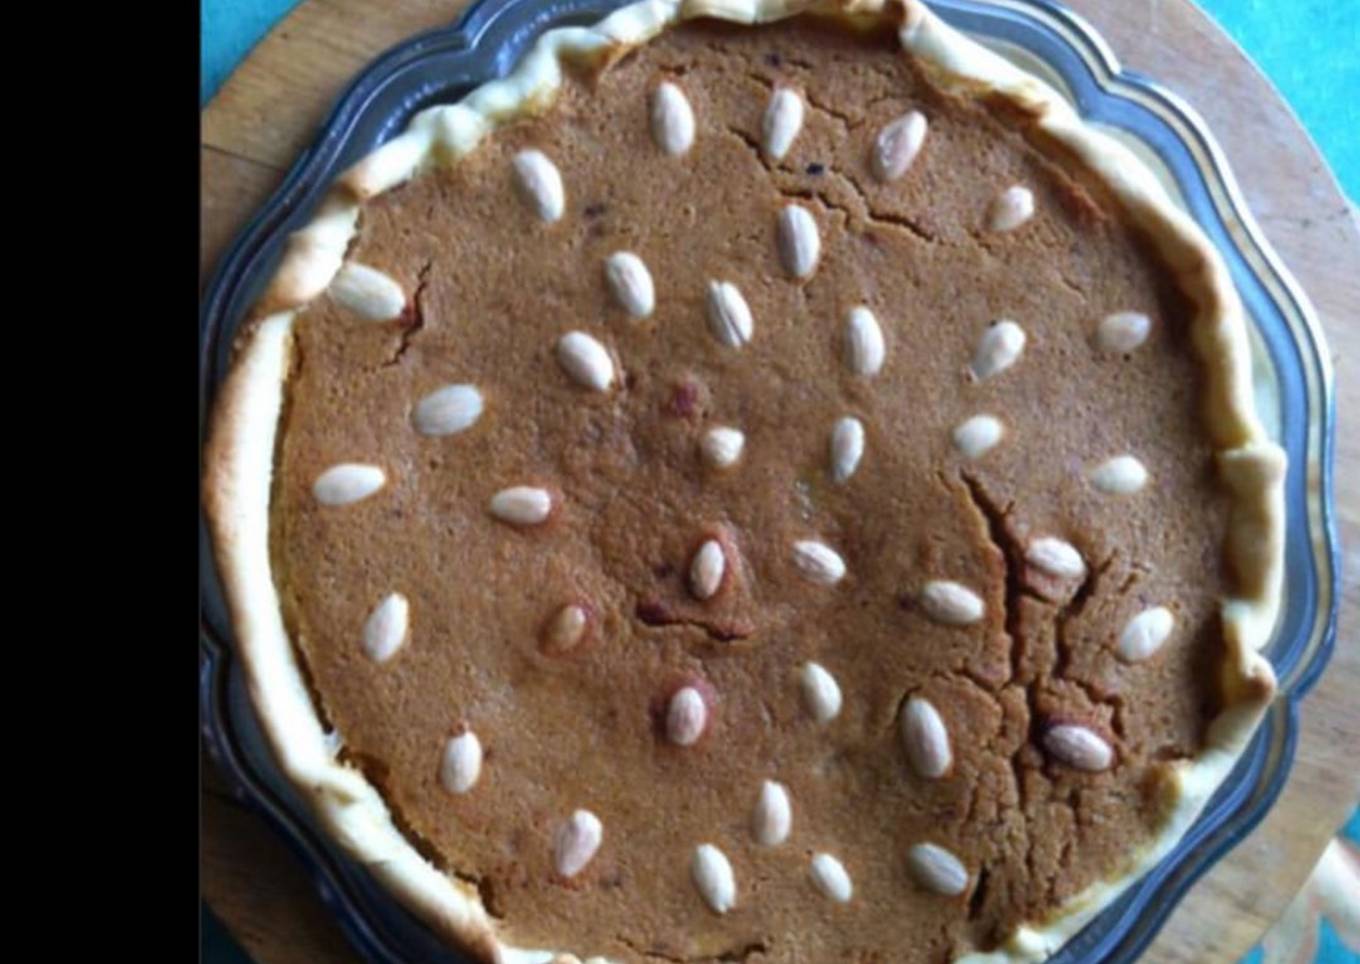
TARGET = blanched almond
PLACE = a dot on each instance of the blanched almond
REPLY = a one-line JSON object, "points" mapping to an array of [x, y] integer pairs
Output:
{"points": [[1123, 331], [540, 184], [821, 693], [729, 317], [347, 482], [522, 505], [367, 292], [462, 763], [672, 119], [1011, 208], [978, 435], [585, 360], [1145, 633], [712, 875], [800, 246], [686, 717], [818, 562], [1056, 557], [782, 121], [722, 446], [447, 410], [386, 627], [951, 603], [773, 816], [631, 283], [847, 448], [864, 348], [1121, 475], [925, 738], [999, 348], [1078, 747], [577, 841], [897, 145], [706, 570], [938, 870], [830, 878]]}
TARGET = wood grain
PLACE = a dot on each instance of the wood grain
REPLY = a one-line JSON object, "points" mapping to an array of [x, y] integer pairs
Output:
{"points": [[259, 889], [270, 109]]}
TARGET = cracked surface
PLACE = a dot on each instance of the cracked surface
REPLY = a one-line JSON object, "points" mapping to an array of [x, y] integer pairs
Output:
{"points": [[493, 288]]}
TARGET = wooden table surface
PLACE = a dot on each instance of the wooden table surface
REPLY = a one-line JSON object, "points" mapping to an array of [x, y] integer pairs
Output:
{"points": [[269, 110]]}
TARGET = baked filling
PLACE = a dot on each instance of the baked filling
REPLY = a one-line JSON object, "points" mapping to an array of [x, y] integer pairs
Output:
{"points": [[758, 507]]}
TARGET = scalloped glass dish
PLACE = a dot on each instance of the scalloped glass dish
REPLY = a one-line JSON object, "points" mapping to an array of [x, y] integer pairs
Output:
{"points": [[1293, 391]]}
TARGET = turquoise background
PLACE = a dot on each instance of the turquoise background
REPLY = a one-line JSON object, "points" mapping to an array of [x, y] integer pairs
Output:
{"points": [[1309, 48]]}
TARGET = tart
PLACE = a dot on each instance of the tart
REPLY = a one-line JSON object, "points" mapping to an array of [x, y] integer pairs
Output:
{"points": [[762, 481]]}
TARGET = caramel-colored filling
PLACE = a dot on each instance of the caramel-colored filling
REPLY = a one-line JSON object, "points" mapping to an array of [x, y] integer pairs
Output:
{"points": [[562, 644]]}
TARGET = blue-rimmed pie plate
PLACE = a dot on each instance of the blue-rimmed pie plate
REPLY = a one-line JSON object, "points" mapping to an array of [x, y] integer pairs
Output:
{"points": [[1292, 392]]}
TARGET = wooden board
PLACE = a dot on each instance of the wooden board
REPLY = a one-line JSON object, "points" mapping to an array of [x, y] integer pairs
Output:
{"points": [[270, 109]]}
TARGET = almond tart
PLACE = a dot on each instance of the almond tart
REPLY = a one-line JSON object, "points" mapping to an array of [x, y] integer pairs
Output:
{"points": [[763, 481]]}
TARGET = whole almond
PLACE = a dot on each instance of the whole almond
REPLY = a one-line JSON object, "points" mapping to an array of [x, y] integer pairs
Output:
{"points": [[864, 348], [722, 446], [729, 317], [773, 816], [686, 717], [712, 875], [937, 870], [631, 283], [367, 292], [1145, 633], [706, 570], [566, 629], [672, 119], [925, 738], [448, 410], [585, 361], [821, 693], [347, 482], [897, 145], [831, 879], [818, 562], [462, 763], [1079, 747], [800, 246], [999, 348], [1010, 209], [386, 627], [1123, 331], [540, 184], [978, 435], [782, 121], [577, 841], [1121, 475], [1056, 557], [847, 448], [951, 603], [522, 505]]}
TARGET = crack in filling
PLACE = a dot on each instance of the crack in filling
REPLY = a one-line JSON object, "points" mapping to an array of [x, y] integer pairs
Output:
{"points": [[1013, 562], [1072, 609], [867, 215], [732, 955], [412, 319], [651, 611]]}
